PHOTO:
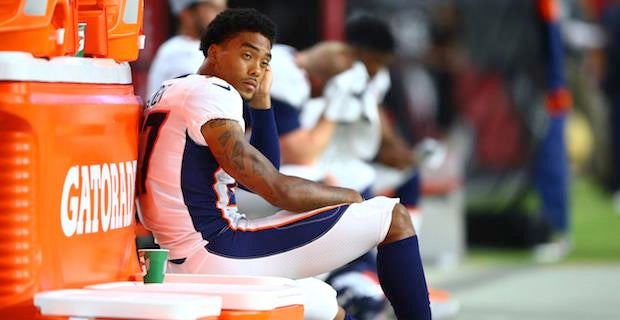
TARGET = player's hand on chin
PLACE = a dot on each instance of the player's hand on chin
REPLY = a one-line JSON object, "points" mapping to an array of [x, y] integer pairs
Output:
{"points": [[261, 98]]}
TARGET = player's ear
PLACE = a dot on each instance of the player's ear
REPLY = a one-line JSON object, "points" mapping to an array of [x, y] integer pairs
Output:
{"points": [[213, 51]]}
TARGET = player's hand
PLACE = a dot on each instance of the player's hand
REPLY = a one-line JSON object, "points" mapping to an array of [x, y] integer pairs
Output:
{"points": [[261, 98], [397, 157]]}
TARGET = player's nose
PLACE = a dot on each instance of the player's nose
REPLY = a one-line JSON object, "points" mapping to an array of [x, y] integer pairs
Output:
{"points": [[255, 69]]}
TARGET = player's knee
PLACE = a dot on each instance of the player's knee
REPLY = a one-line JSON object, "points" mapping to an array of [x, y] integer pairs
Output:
{"points": [[401, 226], [319, 299], [341, 314]]}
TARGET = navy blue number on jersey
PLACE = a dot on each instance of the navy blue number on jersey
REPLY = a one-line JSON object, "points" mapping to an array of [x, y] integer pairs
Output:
{"points": [[148, 137], [157, 96]]}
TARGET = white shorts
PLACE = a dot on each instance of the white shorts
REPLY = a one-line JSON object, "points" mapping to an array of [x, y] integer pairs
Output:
{"points": [[297, 246], [294, 245]]}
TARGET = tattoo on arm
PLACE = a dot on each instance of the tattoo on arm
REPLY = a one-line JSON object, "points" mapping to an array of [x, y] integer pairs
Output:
{"points": [[259, 168], [217, 123], [235, 153], [246, 164]]}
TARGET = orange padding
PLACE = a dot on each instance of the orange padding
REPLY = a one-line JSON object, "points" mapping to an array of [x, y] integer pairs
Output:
{"points": [[438, 295], [558, 101], [548, 10], [207, 318]]}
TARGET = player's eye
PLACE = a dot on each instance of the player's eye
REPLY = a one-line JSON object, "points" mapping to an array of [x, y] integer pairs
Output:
{"points": [[247, 56], [264, 64]]}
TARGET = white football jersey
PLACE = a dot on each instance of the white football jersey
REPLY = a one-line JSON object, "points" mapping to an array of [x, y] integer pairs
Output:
{"points": [[181, 187], [354, 102], [290, 82]]}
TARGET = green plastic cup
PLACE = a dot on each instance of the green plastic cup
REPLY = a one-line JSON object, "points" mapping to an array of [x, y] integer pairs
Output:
{"points": [[153, 263], [81, 38]]}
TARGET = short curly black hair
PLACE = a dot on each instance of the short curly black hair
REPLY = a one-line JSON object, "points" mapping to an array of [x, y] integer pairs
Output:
{"points": [[369, 32], [233, 21]]}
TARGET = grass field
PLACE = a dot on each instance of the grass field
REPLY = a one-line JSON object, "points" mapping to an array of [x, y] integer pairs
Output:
{"points": [[595, 229], [510, 285], [595, 225]]}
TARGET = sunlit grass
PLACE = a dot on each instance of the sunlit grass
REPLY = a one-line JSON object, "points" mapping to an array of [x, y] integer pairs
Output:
{"points": [[595, 225], [595, 228]]}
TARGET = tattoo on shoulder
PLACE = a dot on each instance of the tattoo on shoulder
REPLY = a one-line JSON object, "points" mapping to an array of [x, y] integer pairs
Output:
{"points": [[224, 138], [216, 123]]}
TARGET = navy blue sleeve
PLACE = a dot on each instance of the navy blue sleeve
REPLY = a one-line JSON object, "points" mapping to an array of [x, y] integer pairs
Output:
{"points": [[264, 135], [287, 116], [246, 116]]}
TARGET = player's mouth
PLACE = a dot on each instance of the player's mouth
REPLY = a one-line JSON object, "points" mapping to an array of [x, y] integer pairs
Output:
{"points": [[250, 84]]}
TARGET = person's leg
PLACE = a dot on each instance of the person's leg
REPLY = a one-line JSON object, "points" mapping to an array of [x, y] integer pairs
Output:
{"points": [[319, 300], [404, 185], [358, 288], [409, 191], [552, 177], [303, 245], [409, 194], [298, 245], [357, 284], [400, 269]]}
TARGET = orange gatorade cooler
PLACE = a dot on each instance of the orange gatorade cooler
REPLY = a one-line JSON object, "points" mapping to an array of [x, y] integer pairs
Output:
{"points": [[113, 28], [68, 152], [45, 28]]}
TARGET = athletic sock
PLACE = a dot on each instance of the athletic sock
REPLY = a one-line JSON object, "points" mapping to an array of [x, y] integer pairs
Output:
{"points": [[402, 278], [348, 317]]}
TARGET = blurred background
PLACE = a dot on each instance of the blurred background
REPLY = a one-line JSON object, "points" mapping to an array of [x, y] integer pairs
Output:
{"points": [[522, 221]]}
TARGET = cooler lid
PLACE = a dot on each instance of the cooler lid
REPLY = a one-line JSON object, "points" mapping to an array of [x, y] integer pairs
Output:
{"points": [[236, 296], [126, 305], [22, 66]]}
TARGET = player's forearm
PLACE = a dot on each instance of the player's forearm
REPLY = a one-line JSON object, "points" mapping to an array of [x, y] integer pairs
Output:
{"points": [[305, 146], [320, 135], [395, 155], [300, 195], [394, 151], [388, 134]]}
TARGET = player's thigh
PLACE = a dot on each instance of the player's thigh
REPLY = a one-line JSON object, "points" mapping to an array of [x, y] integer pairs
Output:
{"points": [[301, 245]]}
